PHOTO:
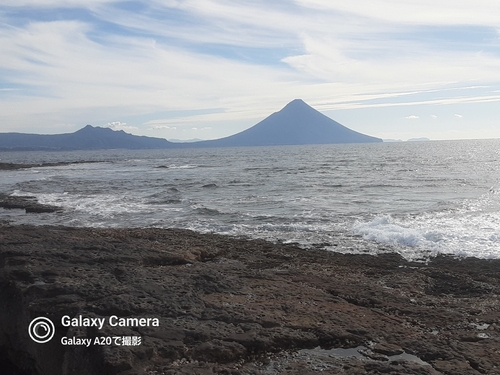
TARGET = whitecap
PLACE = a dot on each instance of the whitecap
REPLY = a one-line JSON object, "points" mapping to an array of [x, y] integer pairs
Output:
{"points": [[451, 232]]}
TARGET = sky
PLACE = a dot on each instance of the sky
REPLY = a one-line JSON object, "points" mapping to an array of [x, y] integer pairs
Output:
{"points": [[205, 69]]}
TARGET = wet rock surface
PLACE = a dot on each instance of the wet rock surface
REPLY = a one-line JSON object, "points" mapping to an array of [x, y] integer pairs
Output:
{"points": [[27, 203], [235, 306], [16, 166]]}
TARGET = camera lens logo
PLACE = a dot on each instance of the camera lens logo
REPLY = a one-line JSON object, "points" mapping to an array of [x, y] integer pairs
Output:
{"points": [[41, 330]]}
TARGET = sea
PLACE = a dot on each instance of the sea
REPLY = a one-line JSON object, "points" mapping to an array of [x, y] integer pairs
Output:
{"points": [[419, 199]]}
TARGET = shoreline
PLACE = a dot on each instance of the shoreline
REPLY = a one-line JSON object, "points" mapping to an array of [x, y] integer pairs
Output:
{"points": [[17, 166], [27, 203], [241, 306]]}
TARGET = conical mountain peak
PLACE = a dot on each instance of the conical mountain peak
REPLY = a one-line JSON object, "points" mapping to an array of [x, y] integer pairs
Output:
{"points": [[296, 124], [296, 103]]}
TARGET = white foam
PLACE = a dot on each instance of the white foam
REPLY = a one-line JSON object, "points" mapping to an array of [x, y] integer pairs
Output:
{"points": [[384, 229], [184, 166], [470, 228], [102, 205], [453, 232]]}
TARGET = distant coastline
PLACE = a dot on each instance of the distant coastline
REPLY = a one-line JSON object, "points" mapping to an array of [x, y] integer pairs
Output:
{"points": [[421, 139], [296, 124]]}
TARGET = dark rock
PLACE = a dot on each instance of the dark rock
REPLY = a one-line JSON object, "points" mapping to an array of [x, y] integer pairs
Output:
{"points": [[15, 166], [387, 349], [225, 305], [27, 203]]}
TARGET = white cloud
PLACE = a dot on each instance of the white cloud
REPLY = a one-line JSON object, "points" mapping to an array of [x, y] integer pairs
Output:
{"points": [[117, 125], [258, 24], [429, 12], [161, 74], [56, 3], [412, 117], [458, 115], [162, 127], [433, 116], [328, 59], [334, 55]]}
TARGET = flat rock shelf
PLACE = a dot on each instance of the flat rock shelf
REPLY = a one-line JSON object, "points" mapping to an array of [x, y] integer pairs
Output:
{"points": [[236, 306]]}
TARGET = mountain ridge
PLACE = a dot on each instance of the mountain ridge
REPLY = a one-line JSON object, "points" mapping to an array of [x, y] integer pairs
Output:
{"points": [[86, 138], [295, 124]]}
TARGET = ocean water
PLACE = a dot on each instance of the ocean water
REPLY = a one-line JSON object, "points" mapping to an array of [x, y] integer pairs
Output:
{"points": [[419, 199]]}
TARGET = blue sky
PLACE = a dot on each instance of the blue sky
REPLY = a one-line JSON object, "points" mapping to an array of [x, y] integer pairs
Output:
{"points": [[210, 68]]}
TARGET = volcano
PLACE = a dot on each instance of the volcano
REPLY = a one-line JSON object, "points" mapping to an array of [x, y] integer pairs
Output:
{"points": [[296, 124]]}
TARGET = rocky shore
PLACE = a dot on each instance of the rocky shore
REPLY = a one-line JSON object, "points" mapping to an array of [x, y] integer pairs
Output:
{"points": [[237, 306], [27, 203], [16, 166]]}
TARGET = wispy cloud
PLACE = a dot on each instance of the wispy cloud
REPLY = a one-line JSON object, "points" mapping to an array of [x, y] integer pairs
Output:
{"points": [[117, 125], [444, 12], [162, 127], [77, 62], [412, 117]]}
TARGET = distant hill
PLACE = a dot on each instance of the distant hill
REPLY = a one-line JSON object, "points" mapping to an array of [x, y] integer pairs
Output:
{"points": [[87, 138], [296, 124]]}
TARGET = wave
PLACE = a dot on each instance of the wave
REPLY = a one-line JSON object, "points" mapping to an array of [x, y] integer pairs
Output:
{"points": [[474, 234], [207, 211], [183, 166], [164, 201], [387, 230]]}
